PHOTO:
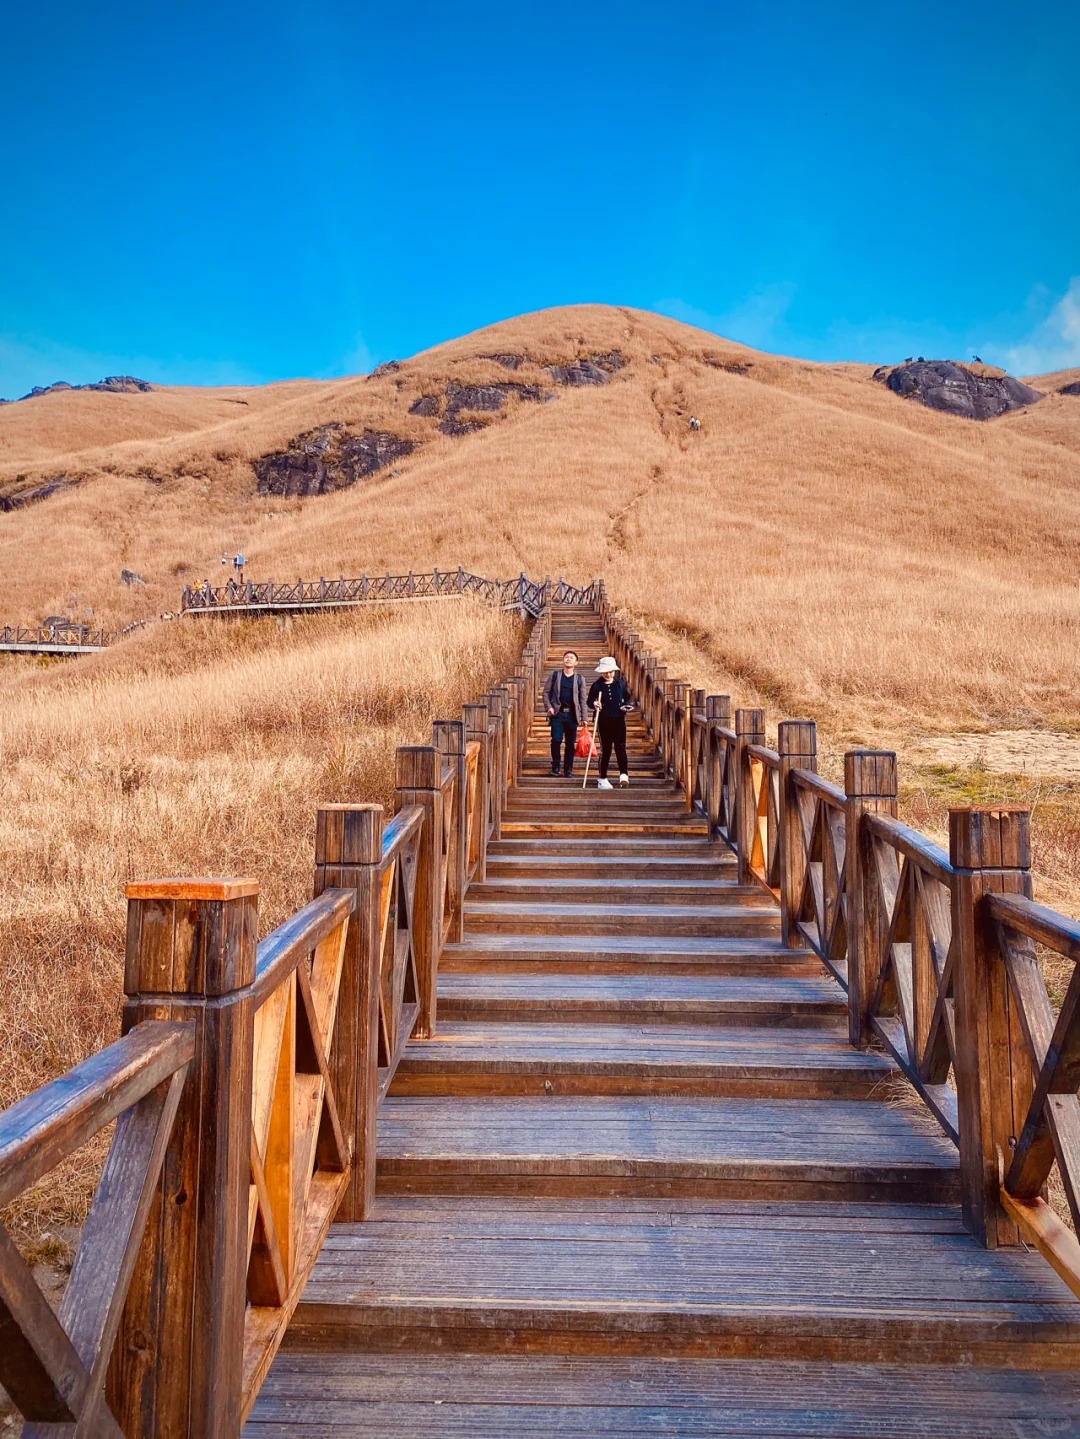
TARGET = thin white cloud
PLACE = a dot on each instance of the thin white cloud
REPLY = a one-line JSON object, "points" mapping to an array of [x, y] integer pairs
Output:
{"points": [[358, 360], [1053, 343], [756, 320]]}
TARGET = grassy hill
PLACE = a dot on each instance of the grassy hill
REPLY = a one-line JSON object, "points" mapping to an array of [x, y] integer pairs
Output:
{"points": [[820, 540], [819, 545]]}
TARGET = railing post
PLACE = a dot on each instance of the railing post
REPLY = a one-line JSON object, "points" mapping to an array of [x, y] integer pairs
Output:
{"points": [[870, 786], [177, 1365], [348, 855], [418, 772], [797, 746], [475, 718], [697, 711], [449, 737], [663, 739], [498, 700], [678, 691], [518, 687], [717, 716], [990, 851], [749, 729]]}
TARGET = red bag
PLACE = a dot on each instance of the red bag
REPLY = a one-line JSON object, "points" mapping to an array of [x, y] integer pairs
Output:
{"points": [[585, 748]]}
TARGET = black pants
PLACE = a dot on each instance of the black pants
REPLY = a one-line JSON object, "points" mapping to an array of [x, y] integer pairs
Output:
{"points": [[612, 735], [563, 727]]}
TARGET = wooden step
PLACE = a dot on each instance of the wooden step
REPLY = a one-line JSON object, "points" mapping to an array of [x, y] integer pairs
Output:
{"points": [[646, 773], [613, 889], [696, 1147], [345, 1394], [601, 808], [625, 954], [722, 921], [684, 1059], [788, 1283], [566, 867], [617, 826], [624, 847], [799, 1001]]}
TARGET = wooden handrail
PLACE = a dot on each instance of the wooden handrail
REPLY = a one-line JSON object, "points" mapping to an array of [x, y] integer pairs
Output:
{"points": [[283, 948], [930, 857], [53, 1365], [1044, 1121], [936, 950], [1043, 925], [296, 1040]]}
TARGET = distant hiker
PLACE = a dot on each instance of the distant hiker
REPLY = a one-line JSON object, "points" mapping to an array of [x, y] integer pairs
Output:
{"points": [[564, 702], [610, 695], [695, 423]]}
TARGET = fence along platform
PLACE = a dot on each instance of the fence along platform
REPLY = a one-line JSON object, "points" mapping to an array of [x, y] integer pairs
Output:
{"points": [[306, 597], [559, 1108], [52, 640], [272, 597]]}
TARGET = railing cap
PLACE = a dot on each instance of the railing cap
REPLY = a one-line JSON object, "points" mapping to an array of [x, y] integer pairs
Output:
{"points": [[870, 774], [797, 738], [348, 834], [193, 887], [418, 766], [990, 837]]}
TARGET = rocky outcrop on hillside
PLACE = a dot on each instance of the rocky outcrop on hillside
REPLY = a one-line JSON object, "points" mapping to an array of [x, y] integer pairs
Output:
{"points": [[111, 385], [458, 401], [1073, 389], [956, 389], [328, 458], [18, 499], [588, 370]]}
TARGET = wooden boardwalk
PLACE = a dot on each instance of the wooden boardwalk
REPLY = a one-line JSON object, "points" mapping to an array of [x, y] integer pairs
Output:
{"points": [[640, 1182], [723, 1105]]}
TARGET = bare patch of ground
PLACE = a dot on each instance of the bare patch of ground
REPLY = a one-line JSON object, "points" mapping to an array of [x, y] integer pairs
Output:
{"points": [[1006, 751]]}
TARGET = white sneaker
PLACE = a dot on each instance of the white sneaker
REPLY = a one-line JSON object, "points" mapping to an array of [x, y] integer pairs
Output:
{"points": [[604, 784], [623, 779]]}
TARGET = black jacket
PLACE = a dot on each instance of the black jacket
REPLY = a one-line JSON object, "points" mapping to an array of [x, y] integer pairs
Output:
{"points": [[614, 698]]}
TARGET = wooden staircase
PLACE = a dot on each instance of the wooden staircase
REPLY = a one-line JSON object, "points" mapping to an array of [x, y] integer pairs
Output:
{"points": [[640, 1183]]}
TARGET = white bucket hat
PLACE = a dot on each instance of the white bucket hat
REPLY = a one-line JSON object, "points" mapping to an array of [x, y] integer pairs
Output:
{"points": [[607, 666]]}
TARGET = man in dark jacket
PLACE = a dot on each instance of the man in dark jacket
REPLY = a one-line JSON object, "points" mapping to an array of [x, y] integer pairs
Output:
{"points": [[610, 694], [564, 703]]}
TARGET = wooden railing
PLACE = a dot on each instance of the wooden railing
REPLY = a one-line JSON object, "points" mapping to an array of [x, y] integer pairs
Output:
{"points": [[529, 596], [53, 1365], [218, 1193], [1037, 1125], [52, 637], [937, 950]]}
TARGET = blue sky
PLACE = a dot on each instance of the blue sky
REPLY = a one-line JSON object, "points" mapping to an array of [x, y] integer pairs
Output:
{"points": [[241, 192]]}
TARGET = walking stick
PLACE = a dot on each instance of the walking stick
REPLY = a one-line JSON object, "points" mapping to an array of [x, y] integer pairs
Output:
{"points": [[588, 757]]}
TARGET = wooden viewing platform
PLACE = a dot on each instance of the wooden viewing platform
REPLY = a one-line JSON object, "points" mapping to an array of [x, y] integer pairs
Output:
{"points": [[720, 1105], [52, 640], [269, 597]]}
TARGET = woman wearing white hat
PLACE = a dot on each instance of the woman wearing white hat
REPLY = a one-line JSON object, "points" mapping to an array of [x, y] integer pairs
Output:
{"points": [[611, 697]]}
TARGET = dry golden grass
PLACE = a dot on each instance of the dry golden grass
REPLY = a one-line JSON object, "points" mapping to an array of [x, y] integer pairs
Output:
{"points": [[828, 545], [205, 749]]}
